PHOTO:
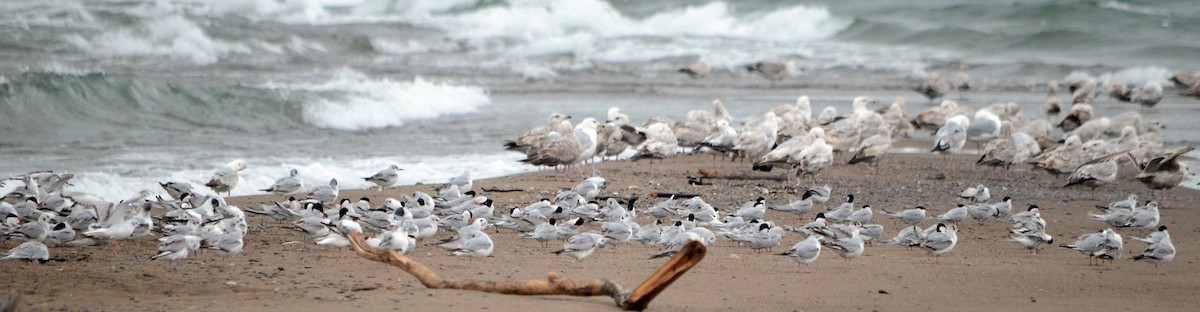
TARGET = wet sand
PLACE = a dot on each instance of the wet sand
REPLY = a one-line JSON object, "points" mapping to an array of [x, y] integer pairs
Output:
{"points": [[280, 269]]}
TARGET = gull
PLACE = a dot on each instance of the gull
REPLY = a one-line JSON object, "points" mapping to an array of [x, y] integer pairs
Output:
{"points": [[1128, 203], [676, 243], [873, 148], [397, 240], [31, 250], [696, 70], [463, 181], [1160, 251], [908, 216], [226, 177], [1031, 240], [1010, 148], [1144, 218], [963, 81], [805, 251], [1104, 244], [386, 177], [530, 141], [176, 247], [941, 241], [1155, 236], [326, 194], [720, 141], [933, 88], [1148, 95], [288, 185], [581, 245], [976, 194], [951, 137], [984, 127], [32, 231], [936, 117], [592, 186], [650, 233], [1164, 171], [771, 71], [477, 245], [660, 142], [815, 158], [954, 215], [800, 206], [620, 231], [1053, 103], [1097, 172]]}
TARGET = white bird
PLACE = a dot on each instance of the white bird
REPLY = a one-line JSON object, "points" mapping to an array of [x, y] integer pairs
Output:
{"points": [[31, 250], [981, 212], [1148, 94], [861, 216], [1105, 245], [963, 81], [821, 193], [848, 245], [771, 71], [288, 185], [805, 251], [1031, 240], [951, 137], [697, 70], [908, 237], [941, 241], [386, 177], [1155, 236], [1160, 251], [326, 194], [397, 240], [1145, 217], [908, 216], [1164, 171], [976, 194], [800, 206], [752, 209], [954, 215], [984, 127], [581, 245], [176, 247], [226, 177], [478, 245]]}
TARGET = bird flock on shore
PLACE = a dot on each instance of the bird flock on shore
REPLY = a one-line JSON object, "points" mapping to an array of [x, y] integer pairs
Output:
{"points": [[1091, 150]]}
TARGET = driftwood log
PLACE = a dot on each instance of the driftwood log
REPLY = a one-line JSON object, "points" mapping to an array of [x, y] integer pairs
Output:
{"points": [[637, 299]]}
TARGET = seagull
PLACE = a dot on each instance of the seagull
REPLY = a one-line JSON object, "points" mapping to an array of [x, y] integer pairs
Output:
{"points": [[696, 70], [1148, 95], [908, 216], [31, 250], [976, 194], [1144, 218], [226, 177], [951, 137], [397, 240], [963, 81], [478, 245], [581, 245], [752, 210], [1164, 171], [1098, 172], [326, 194], [805, 251], [288, 185], [1053, 103], [176, 247], [771, 71], [1104, 244], [933, 88], [941, 241], [386, 177], [463, 181], [1160, 251]]}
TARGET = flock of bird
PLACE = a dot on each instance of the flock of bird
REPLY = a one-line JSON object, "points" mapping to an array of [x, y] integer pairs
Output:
{"points": [[1090, 149]]}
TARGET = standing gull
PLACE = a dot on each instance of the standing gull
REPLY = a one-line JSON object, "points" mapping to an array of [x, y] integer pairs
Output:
{"points": [[933, 88], [1164, 171], [288, 185], [963, 81], [806, 251], [386, 177], [951, 137], [771, 71], [226, 177]]}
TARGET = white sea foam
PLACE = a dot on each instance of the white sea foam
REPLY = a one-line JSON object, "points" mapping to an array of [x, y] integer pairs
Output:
{"points": [[352, 101], [119, 183], [172, 36]]}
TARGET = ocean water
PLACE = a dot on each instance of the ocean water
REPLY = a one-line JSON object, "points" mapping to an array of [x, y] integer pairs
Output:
{"points": [[128, 93]]}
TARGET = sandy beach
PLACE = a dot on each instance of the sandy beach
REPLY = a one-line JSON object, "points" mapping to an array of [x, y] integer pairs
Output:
{"points": [[279, 268]]}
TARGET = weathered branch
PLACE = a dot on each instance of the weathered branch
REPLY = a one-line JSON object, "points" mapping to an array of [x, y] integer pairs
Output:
{"points": [[638, 299]]}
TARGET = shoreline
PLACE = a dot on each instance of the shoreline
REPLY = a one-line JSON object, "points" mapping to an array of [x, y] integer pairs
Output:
{"points": [[280, 268]]}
